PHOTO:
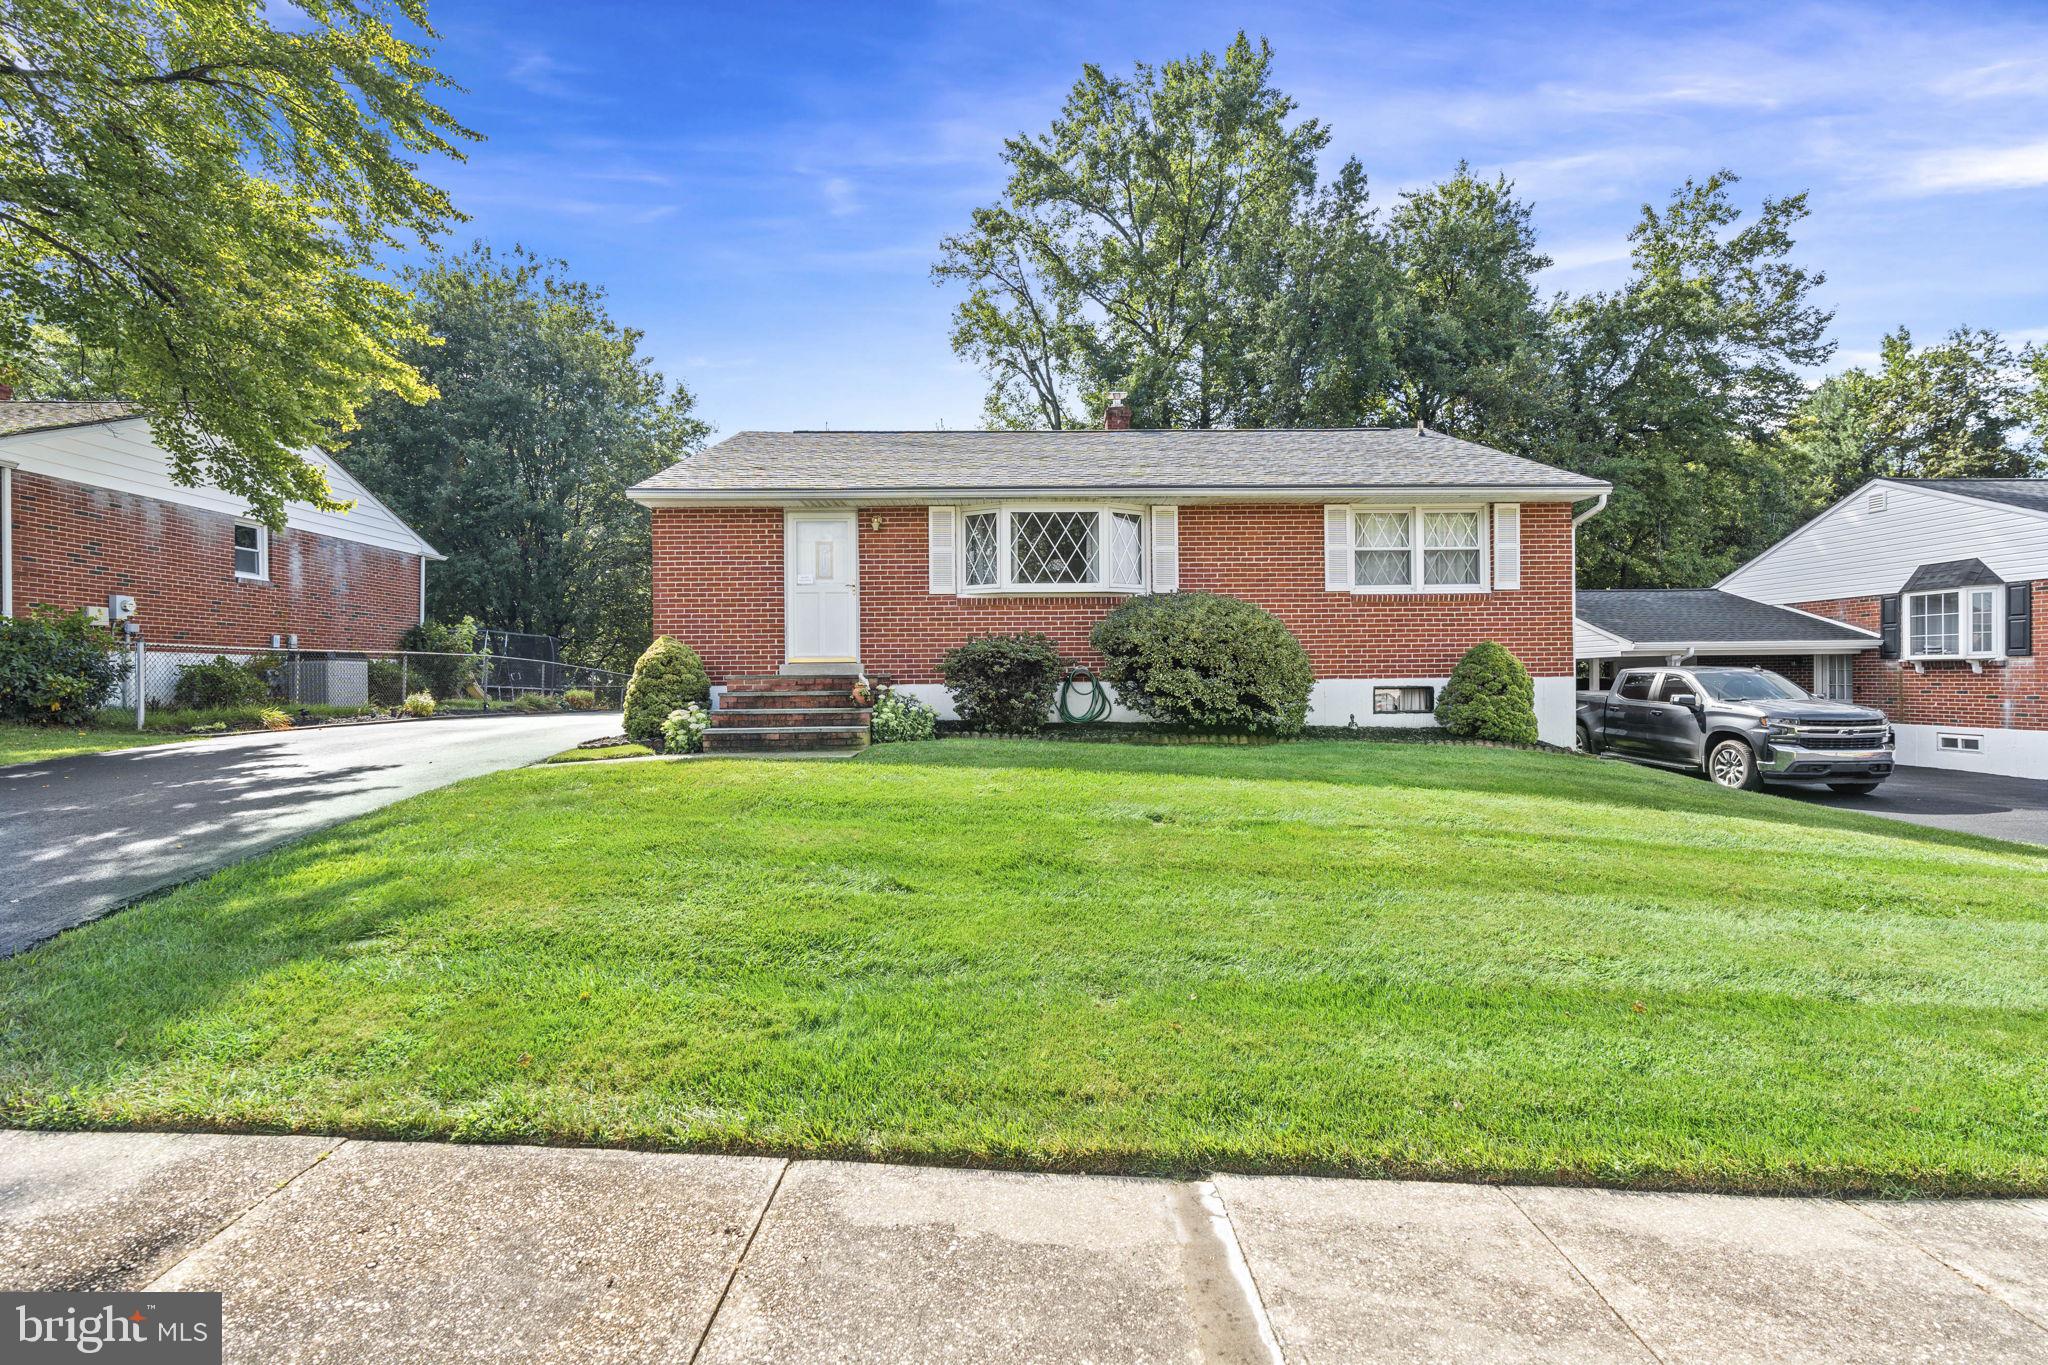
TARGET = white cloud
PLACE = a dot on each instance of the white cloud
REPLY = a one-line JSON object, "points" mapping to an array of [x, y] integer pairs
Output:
{"points": [[1962, 170], [841, 199]]}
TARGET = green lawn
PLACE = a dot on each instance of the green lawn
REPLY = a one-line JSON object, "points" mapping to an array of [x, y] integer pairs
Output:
{"points": [[594, 755], [1353, 957], [27, 743]]}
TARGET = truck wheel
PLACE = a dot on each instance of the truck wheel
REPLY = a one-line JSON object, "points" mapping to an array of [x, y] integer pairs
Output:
{"points": [[1585, 740], [1732, 763], [1853, 788]]}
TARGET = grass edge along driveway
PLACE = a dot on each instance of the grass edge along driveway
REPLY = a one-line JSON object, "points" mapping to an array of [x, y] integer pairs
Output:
{"points": [[39, 743], [1341, 957]]}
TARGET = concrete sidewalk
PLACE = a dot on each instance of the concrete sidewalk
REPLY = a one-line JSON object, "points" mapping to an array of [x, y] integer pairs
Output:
{"points": [[338, 1250]]}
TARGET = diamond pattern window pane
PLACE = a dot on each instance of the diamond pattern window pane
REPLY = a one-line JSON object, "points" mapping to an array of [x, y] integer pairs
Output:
{"points": [[1381, 540], [1450, 549], [1051, 549], [1126, 548], [982, 545]]}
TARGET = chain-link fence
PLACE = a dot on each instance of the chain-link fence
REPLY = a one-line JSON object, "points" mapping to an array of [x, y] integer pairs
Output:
{"points": [[175, 678]]}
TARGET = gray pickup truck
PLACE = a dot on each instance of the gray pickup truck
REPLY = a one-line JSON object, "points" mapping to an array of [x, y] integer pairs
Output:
{"points": [[1740, 727]]}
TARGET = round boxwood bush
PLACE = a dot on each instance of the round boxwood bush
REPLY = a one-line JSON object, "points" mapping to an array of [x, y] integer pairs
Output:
{"points": [[1489, 696], [219, 683], [56, 668], [1004, 683], [1207, 661], [668, 677]]}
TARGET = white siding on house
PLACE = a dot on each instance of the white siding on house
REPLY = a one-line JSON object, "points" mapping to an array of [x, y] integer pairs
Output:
{"points": [[121, 457], [1851, 550]]}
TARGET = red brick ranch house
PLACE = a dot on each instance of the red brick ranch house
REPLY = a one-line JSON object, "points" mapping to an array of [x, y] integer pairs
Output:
{"points": [[1388, 553], [90, 517]]}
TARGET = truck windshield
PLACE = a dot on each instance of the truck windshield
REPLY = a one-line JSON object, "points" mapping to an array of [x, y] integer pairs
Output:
{"points": [[1746, 684]]}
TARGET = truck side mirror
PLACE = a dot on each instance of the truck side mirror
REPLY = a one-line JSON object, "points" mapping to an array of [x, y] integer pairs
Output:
{"points": [[1685, 699]]}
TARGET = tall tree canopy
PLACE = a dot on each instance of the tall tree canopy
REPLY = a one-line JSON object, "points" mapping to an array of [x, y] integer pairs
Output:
{"points": [[192, 195], [1671, 386], [1968, 407], [548, 413], [1141, 242]]}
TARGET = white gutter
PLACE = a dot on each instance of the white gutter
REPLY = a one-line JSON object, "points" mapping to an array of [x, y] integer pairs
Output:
{"points": [[771, 497], [6, 539], [1696, 647], [1599, 503], [423, 589]]}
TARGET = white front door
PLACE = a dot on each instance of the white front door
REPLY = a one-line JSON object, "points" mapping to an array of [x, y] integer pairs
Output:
{"points": [[822, 573]]}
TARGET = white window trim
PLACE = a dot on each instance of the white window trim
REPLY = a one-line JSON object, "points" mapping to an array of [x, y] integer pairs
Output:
{"points": [[262, 574], [1415, 587], [1103, 586], [1962, 596]]}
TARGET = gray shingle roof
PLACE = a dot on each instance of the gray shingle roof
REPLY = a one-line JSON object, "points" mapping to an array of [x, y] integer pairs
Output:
{"points": [[792, 462], [1701, 616], [1950, 573], [30, 415], [2031, 494]]}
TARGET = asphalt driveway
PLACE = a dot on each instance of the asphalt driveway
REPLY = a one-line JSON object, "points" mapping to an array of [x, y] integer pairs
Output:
{"points": [[2001, 807], [83, 835]]}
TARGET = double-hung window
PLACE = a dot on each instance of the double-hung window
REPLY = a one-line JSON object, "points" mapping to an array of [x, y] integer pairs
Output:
{"points": [[1051, 549], [252, 551], [1959, 623], [1415, 549]]}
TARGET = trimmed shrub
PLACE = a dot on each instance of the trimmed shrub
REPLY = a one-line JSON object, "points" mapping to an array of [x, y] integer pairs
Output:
{"points": [[580, 699], [420, 704], [387, 682], [220, 682], [683, 731], [1004, 683], [1206, 661], [668, 676], [56, 667], [1489, 697], [897, 717], [535, 701], [443, 676]]}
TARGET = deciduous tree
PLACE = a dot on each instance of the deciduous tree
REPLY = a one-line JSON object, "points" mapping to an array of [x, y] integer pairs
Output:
{"points": [[194, 193]]}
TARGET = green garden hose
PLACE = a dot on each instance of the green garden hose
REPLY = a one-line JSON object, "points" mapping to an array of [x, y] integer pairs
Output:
{"points": [[1098, 698]]}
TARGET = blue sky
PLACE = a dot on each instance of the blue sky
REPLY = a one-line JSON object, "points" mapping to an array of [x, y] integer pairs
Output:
{"points": [[762, 187]]}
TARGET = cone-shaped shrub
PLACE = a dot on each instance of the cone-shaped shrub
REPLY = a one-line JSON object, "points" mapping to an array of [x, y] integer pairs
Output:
{"points": [[1489, 696]]}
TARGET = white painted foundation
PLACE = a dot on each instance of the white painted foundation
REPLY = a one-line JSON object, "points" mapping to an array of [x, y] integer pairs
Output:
{"points": [[2004, 752], [1338, 701]]}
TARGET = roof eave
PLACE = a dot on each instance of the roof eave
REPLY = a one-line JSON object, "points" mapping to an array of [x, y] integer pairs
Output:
{"points": [[770, 497], [1856, 646]]}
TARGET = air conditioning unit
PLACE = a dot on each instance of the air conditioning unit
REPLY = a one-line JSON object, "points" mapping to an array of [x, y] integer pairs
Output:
{"points": [[328, 682]]}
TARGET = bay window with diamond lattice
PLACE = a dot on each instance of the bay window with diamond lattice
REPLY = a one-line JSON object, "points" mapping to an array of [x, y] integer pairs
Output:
{"points": [[1042, 549]]}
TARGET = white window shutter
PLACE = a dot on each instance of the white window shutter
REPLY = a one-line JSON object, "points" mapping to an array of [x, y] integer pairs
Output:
{"points": [[1507, 545], [1166, 549], [1337, 549], [942, 540]]}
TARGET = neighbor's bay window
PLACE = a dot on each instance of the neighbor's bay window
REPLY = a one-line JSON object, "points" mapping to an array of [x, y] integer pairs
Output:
{"points": [[1048, 549], [1959, 623]]}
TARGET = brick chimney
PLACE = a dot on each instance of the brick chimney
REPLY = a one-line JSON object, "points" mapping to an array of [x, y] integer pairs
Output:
{"points": [[1117, 416]]}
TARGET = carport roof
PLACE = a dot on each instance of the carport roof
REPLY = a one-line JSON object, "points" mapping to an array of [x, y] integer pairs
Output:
{"points": [[1687, 620]]}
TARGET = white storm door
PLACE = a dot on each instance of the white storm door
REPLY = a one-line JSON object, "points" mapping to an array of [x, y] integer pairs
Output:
{"points": [[822, 621]]}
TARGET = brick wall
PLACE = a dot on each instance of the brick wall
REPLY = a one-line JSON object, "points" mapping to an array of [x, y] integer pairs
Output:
{"points": [[718, 586], [2008, 695], [75, 545]]}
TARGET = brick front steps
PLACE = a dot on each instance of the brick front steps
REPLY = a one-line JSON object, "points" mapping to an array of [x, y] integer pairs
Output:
{"points": [[769, 713]]}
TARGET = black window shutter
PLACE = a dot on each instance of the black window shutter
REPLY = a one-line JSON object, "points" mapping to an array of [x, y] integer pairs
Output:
{"points": [[1888, 628], [2019, 618]]}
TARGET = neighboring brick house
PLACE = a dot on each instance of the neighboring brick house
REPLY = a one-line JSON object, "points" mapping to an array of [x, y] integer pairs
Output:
{"points": [[89, 512], [1388, 553], [1949, 575]]}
